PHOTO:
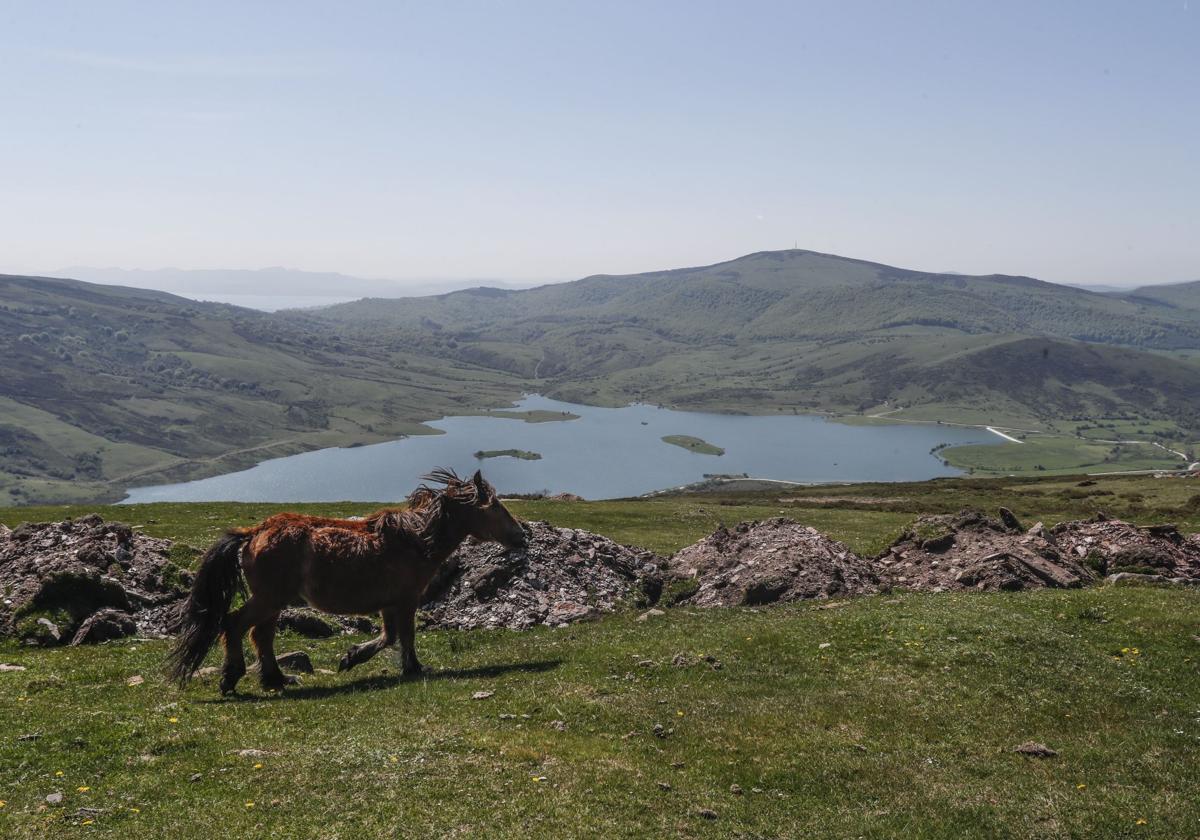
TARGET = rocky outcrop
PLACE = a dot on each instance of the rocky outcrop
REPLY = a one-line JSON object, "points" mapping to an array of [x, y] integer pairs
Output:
{"points": [[764, 562], [1111, 546], [970, 550], [563, 575], [85, 580]]}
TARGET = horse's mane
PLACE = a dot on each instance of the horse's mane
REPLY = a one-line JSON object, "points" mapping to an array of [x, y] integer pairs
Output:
{"points": [[426, 506]]}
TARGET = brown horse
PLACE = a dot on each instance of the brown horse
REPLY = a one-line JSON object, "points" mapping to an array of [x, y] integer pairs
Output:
{"points": [[382, 564]]}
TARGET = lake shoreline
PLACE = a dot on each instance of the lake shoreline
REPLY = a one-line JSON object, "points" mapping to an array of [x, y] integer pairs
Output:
{"points": [[600, 453]]}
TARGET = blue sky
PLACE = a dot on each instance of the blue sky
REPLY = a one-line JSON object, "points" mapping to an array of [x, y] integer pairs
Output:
{"points": [[554, 140]]}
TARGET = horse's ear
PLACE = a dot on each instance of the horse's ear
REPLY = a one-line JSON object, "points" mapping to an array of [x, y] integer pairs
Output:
{"points": [[481, 486]]}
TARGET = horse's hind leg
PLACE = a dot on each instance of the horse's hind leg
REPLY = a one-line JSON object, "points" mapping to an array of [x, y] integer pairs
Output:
{"points": [[359, 654], [269, 672], [236, 625], [234, 667]]}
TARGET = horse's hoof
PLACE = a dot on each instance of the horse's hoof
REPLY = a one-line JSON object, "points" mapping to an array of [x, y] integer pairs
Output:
{"points": [[229, 684], [280, 683], [413, 670], [345, 663]]}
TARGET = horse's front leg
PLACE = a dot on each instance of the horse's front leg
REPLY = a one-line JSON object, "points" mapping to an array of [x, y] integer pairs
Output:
{"points": [[406, 616], [359, 654]]}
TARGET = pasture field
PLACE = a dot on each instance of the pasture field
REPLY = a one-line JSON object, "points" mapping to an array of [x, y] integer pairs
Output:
{"points": [[693, 444], [1060, 454], [889, 716]]}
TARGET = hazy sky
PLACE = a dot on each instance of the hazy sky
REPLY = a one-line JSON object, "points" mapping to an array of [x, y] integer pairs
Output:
{"points": [[559, 139]]}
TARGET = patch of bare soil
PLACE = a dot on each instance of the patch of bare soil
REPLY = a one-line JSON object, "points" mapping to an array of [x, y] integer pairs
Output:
{"points": [[970, 550], [1111, 546], [773, 560], [85, 580], [563, 575]]}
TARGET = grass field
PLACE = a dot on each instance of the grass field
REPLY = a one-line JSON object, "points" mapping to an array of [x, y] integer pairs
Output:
{"points": [[890, 716], [886, 717], [693, 444], [1059, 454]]}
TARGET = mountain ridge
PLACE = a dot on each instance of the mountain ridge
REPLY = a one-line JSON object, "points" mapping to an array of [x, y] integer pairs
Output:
{"points": [[104, 384]]}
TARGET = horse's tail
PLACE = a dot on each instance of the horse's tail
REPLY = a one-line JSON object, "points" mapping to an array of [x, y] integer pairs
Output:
{"points": [[201, 618]]}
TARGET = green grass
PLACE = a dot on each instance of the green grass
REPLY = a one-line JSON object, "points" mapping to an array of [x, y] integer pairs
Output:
{"points": [[693, 444], [1054, 454], [901, 726], [537, 415]]}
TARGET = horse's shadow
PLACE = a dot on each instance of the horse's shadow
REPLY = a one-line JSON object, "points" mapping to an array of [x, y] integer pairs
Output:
{"points": [[382, 681]]}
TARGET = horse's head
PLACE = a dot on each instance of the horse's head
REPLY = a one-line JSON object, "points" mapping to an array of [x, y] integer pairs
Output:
{"points": [[483, 515]]}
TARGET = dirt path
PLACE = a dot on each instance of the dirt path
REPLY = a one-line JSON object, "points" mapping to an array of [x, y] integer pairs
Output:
{"points": [[150, 470]]}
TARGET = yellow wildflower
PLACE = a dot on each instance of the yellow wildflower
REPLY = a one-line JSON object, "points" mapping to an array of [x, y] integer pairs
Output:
{"points": [[83, 788], [1140, 821], [258, 766], [249, 804], [1080, 786], [58, 772], [173, 720]]}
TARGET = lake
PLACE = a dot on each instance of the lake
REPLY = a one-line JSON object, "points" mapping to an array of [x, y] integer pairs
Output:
{"points": [[606, 453]]}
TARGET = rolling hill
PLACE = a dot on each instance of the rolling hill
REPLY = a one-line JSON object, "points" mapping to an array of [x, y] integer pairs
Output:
{"points": [[104, 386], [1173, 296], [797, 295], [797, 329]]}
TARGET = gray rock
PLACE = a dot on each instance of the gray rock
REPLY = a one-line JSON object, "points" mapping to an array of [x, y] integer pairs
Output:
{"points": [[1035, 749], [1010, 520], [1135, 579], [296, 660], [51, 629], [308, 623], [104, 626]]}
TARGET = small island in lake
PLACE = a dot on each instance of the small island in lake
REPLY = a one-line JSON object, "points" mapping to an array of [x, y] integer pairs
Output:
{"points": [[523, 454], [535, 415], [693, 444]]}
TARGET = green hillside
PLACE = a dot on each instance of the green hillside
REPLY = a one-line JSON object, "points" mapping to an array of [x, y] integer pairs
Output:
{"points": [[104, 387], [795, 295], [1175, 295], [796, 330]]}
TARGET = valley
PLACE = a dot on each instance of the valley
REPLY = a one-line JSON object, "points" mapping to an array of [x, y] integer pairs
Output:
{"points": [[105, 387]]}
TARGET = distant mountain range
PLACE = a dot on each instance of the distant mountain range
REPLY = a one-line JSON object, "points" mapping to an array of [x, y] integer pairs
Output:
{"points": [[103, 386], [289, 287]]}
